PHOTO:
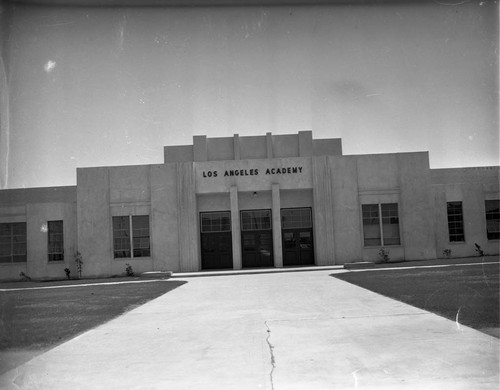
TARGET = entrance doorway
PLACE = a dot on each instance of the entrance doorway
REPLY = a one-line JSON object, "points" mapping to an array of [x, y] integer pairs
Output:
{"points": [[216, 240], [256, 239], [297, 235]]}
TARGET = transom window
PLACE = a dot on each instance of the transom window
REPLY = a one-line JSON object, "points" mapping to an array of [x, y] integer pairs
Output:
{"points": [[296, 218], [131, 236], [455, 222], [492, 208], [13, 242], [215, 222], [55, 243], [381, 224], [256, 220]]}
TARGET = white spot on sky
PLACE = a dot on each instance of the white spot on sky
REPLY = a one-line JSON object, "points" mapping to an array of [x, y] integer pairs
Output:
{"points": [[471, 137], [49, 66], [44, 228]]}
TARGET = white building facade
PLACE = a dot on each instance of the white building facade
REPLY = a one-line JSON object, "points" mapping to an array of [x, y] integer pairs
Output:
{"points": [[246, 202]]}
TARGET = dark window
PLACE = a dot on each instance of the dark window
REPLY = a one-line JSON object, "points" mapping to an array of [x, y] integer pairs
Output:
{"points": [[13, 242], [381, 224], [256, 220], [131, 236], [296, 218], [492, 208], [140, 235], [55, 241], [455, 222], [216, 222]]}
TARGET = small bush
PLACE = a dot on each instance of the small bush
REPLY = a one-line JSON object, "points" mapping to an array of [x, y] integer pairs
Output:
{"points": [[479, 250], [129, 271], [447, 253], [24, 277], [67, 271], [383, 255]]}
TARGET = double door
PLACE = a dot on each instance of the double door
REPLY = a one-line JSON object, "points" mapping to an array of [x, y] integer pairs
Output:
{"points": [[298, 247], [216, 250], [257, 248]]}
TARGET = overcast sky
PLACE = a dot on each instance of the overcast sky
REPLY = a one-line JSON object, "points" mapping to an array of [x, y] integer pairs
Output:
{"points": [[92, 86]]}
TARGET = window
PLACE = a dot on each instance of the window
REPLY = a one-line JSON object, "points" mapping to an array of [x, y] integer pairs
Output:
{"points": [[381, 224], [256, 220], [492, 208], [55, 241], [296, 218], [216, 222], [131, 236], [455, 222], [13, 242]]}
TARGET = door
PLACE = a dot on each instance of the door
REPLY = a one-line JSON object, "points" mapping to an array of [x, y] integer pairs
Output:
{"points": [[256, 239], [216, 250], [297, 236], [257, 247], [298, 247], [216, 240]]}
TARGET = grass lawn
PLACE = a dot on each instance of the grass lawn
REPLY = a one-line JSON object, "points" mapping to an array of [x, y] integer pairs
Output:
{"points": [[467, 294], [34, 320]]}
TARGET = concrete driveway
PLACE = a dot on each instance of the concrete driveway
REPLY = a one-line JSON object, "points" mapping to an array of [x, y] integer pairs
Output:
{"points": [[280, 331]]}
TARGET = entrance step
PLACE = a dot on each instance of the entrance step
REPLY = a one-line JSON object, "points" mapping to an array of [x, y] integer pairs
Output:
{"points": [[157, 274]]}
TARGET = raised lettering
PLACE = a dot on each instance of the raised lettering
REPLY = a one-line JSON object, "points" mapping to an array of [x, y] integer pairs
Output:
{"points": [[215, 173], [300, 169], [256, 171], [294, 170]]}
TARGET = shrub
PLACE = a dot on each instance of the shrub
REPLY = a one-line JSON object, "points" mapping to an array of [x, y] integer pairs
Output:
{"points": [[129, 271], [24, 277], [67, 271], [384, 255], [447, 253], [479, 250]]}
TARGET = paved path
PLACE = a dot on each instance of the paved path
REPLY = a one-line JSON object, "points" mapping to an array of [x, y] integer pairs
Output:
{"points": [[280, 331]]}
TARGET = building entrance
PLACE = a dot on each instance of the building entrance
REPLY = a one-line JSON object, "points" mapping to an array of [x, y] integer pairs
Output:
{"points": [[256, 239], [297, 247], [297, 236], [216, 240]]}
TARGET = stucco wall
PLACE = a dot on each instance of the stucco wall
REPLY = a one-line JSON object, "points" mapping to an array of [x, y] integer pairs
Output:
{"points": [[94, 221], [164, 216], [471, 187], [37, 217], [37, 206]]}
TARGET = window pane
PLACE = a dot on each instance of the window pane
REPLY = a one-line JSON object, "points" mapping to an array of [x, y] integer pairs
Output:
{"points": [[140, 235], [492, 208], [216, 222], [55, 241], [256, 220], [121, 236], [296, 218], [390, 223], [13, 242], [371, 225], [455, 222]]}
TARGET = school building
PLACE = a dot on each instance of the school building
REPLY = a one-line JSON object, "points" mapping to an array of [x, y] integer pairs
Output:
{"points": [[244, 202]]}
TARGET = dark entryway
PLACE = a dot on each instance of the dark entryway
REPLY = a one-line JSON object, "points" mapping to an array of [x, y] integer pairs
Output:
{"points": [[257, 248], [298, 247], [297, 236], [216, 240], [216, 250], [256, 239]]}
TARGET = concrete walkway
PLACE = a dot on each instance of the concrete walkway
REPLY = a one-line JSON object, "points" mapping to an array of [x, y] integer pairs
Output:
{"points": [[280, 331]]}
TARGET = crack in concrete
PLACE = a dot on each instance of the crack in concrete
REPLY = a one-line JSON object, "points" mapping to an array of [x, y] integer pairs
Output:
{"points": [[273, 361]]}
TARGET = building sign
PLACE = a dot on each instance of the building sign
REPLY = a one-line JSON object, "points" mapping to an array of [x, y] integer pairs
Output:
{"points": [[253, 172]]}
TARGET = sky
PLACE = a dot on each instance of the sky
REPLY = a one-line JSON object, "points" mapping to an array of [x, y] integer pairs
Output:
{"points": [[106, 86]]}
